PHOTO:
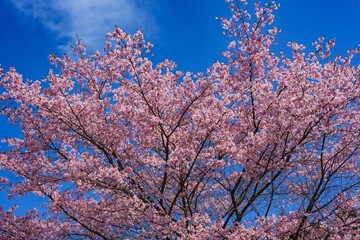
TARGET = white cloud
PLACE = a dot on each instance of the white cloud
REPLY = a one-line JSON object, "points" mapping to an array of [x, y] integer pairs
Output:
{"points": [[89, 19]]}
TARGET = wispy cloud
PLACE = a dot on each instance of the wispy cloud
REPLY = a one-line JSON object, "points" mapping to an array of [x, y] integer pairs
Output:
{"points": [[89, 19]]}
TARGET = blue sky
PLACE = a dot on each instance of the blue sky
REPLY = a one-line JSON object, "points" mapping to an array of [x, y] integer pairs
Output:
{"points": [[184, 31]]}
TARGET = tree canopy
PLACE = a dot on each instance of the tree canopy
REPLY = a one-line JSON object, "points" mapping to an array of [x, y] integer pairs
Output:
{"points": [[260, 146]]}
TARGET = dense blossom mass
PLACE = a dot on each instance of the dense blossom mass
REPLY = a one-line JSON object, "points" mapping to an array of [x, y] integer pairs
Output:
{"points": [[261, 146]]}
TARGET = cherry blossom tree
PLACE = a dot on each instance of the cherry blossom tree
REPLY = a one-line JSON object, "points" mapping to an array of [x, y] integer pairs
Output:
{"points": [[261, 146]]}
